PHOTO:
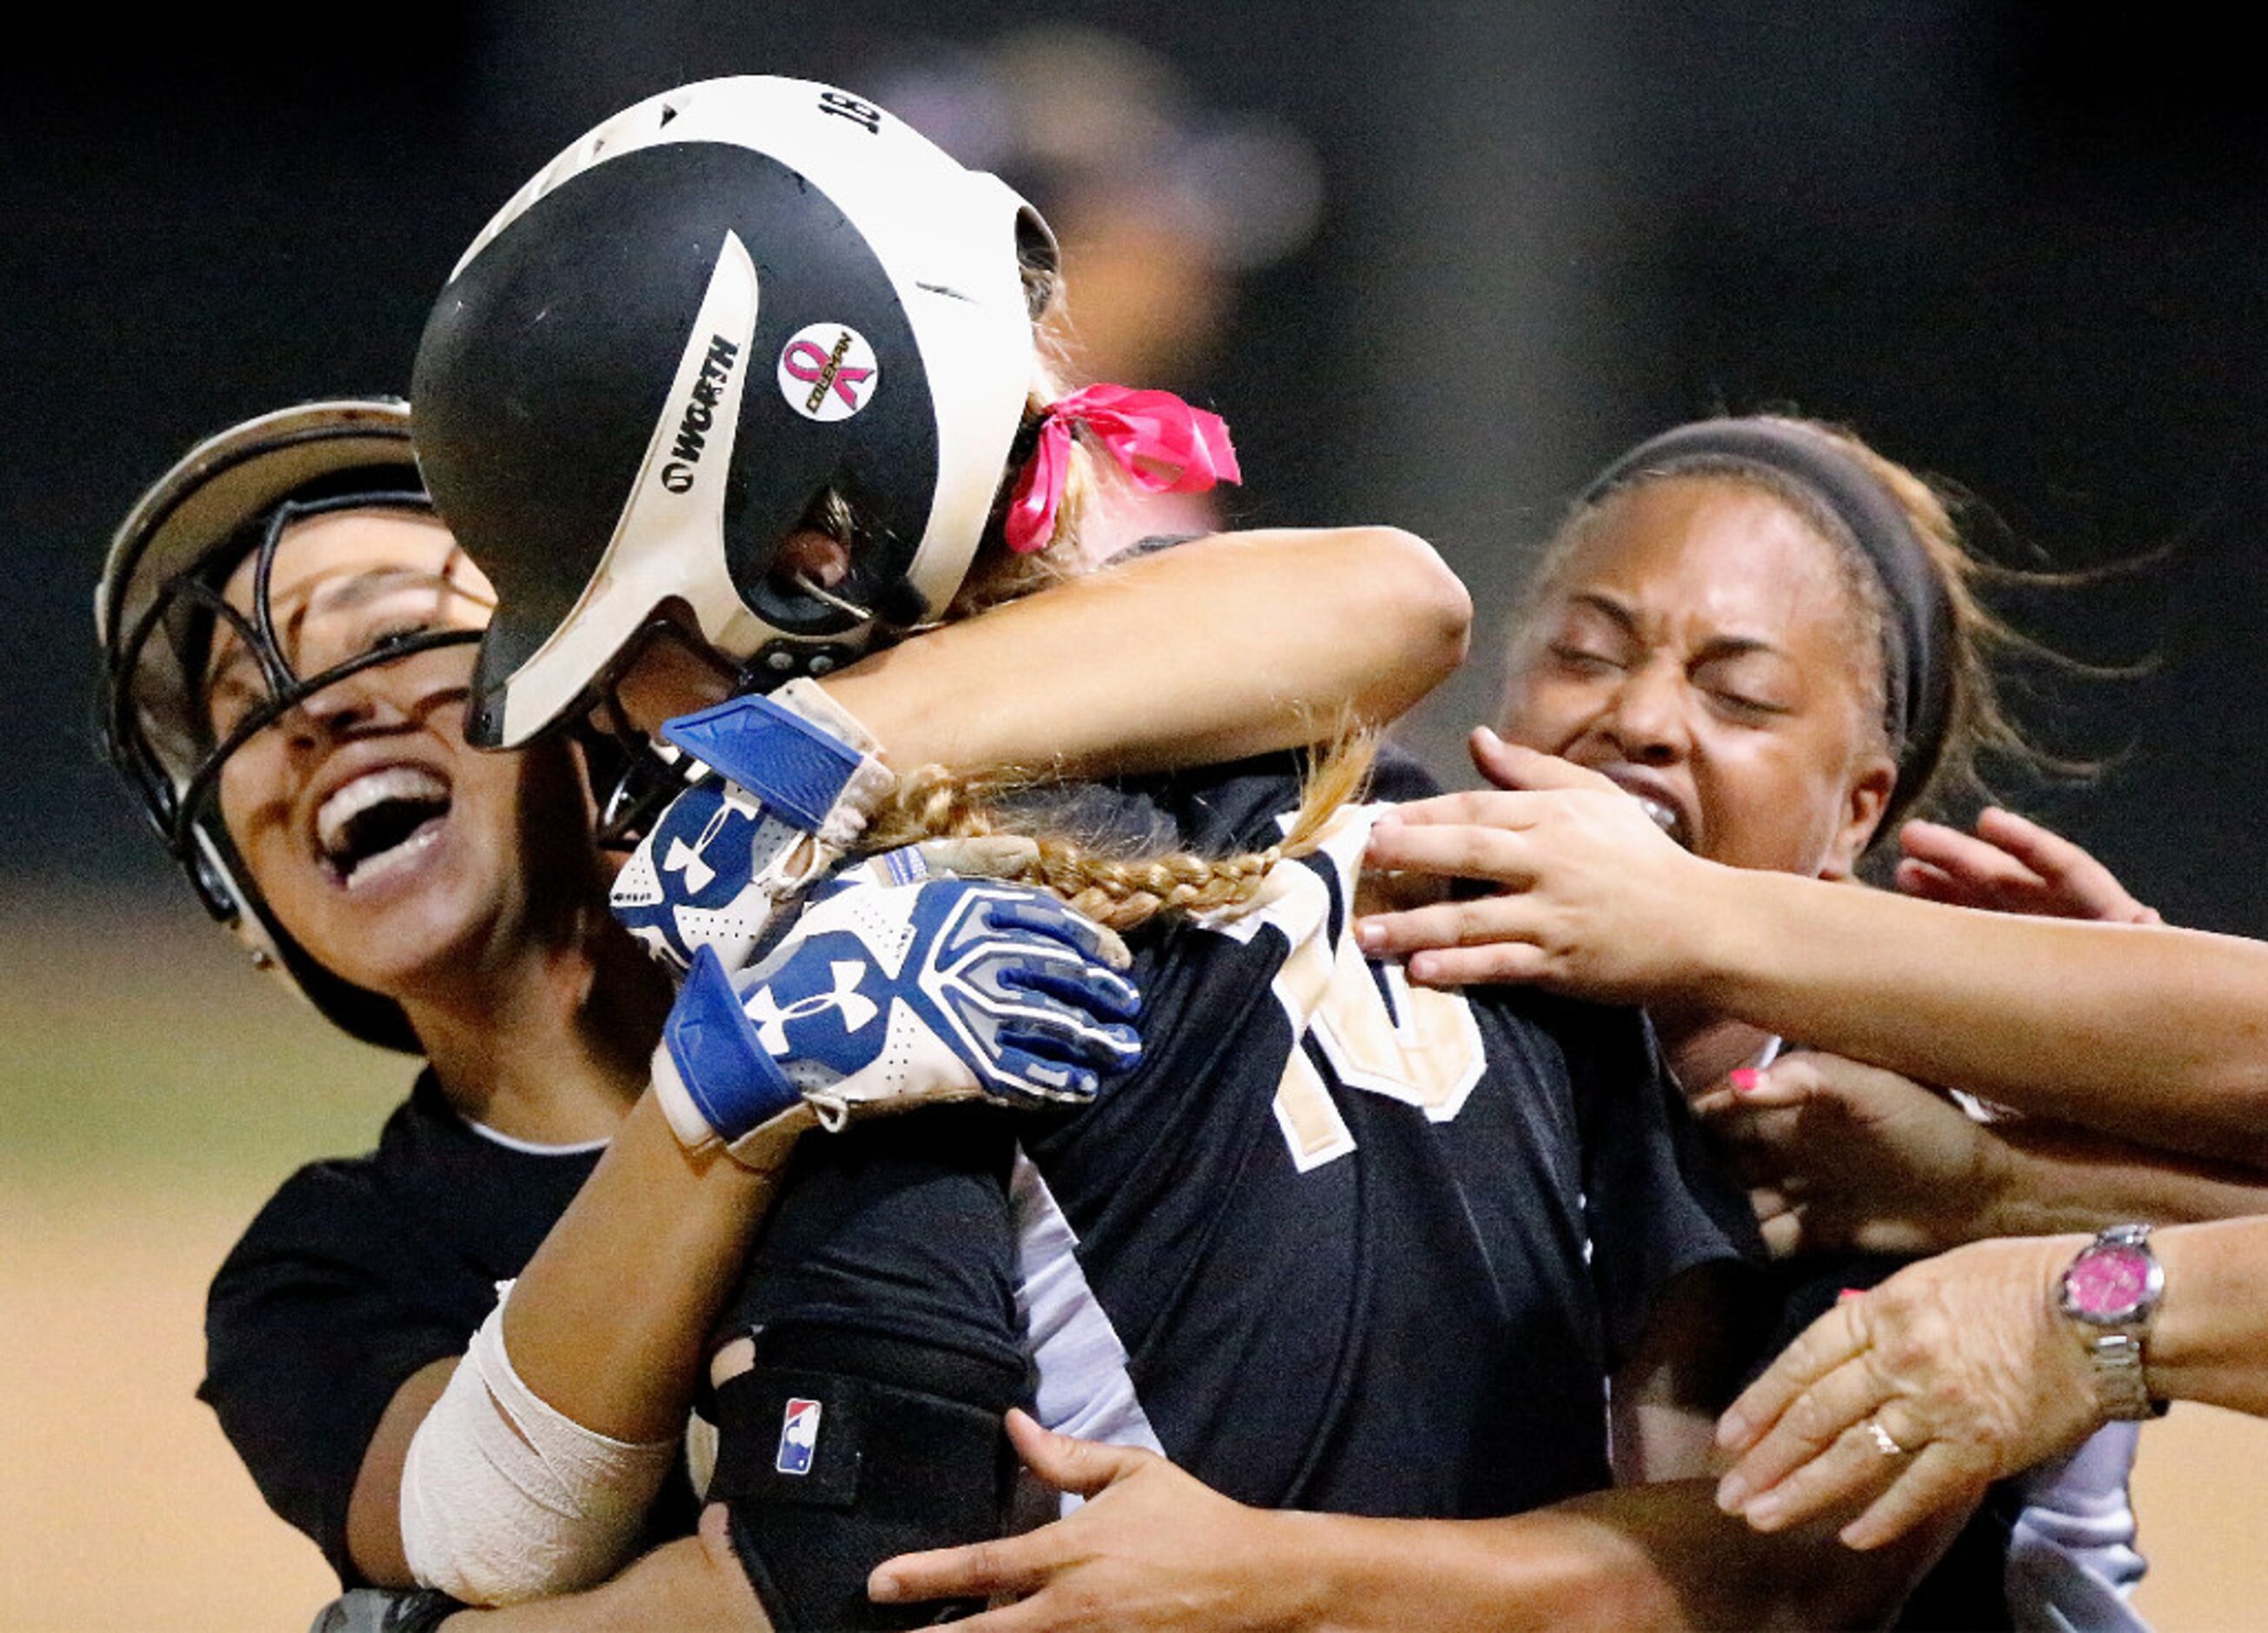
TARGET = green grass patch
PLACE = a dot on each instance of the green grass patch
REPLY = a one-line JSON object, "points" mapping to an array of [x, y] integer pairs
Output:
{"points": [[145, 1041]]}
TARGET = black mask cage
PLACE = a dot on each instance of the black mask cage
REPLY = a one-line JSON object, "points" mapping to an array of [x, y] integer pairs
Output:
{"points": [[636, 776], [154, 685], [156, 730], [158, 605]]}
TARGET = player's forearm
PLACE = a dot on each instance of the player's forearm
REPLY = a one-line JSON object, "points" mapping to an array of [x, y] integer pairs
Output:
{"points": [[2058, 1179], [610, 1322], [529, 1474], [2160, 1035], [1543, 1570], [1221, 647], [1658, 1556]]}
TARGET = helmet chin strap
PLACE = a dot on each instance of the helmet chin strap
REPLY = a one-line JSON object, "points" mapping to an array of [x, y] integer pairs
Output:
{"points": [[898, 611], [898, 606], [818, 592]]}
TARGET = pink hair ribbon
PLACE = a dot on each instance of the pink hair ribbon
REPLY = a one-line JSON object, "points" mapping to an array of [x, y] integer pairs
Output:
{"points": [[1165, 445]]}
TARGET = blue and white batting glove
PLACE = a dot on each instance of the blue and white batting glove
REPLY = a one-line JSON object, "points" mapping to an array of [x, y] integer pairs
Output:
{"points": [[783, 786], [885, 997]]}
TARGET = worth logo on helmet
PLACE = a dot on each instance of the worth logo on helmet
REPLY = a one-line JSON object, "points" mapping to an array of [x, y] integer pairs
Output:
{"points": [[700, 414], [828, 372]]}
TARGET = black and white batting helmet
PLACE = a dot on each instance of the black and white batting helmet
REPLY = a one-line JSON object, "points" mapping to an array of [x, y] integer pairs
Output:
{"points": [[706, 316], [156, 611]]}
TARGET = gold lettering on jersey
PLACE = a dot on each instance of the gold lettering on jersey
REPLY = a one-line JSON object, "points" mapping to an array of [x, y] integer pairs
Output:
{"points": [[1312, 1124], [1424, 1050]]}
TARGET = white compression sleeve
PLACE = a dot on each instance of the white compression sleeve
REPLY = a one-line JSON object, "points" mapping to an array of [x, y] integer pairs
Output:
{"points": [[504, 1498]]}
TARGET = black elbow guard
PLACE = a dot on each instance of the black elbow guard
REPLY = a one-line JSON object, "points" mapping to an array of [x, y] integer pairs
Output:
{"points": [[841, 1449]]}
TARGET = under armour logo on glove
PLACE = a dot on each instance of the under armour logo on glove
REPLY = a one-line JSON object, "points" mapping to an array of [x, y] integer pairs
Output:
{"points": [[857, 1011], [884, 997], [690, 862], [783, 785]]}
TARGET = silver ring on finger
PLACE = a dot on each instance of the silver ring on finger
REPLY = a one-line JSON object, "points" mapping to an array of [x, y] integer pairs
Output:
{"points": [[1883, 1441]]}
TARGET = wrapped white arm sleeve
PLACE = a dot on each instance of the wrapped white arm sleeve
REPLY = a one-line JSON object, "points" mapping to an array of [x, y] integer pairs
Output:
{"points": [[504, 1498]]}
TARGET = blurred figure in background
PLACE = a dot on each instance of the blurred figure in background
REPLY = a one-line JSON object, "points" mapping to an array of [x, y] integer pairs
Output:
{"points": [[1161, 206]]}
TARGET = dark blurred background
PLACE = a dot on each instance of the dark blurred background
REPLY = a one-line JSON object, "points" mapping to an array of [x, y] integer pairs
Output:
{"points": [[1448, 257], [1436, 262]]}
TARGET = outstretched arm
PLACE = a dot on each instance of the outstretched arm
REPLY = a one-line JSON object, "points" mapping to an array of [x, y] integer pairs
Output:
{"points": [[1215, 649], [528, 1470], [1842, 1156], [1154, 1547], [2159, 1035]]}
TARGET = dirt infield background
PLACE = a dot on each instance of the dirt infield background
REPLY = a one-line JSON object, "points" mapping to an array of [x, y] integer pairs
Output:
{"points": [[155, 1092]]}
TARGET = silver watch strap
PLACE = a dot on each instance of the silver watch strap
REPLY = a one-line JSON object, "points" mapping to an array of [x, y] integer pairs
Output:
{"points": [[2119, 1382]]}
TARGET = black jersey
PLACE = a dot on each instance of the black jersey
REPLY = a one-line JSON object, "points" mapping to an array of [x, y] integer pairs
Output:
{"points": [[1344, 1243], [357, 1273]]}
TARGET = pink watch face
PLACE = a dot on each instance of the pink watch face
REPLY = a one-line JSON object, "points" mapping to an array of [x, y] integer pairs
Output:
{"points": [[2109, 1281]]}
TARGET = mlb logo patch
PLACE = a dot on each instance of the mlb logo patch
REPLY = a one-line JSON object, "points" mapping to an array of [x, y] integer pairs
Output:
{"points": [[799, 1439]]}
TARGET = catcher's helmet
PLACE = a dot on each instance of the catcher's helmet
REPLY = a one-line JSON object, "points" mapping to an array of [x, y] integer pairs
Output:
{"points": [[707, 314], [155, 612]]}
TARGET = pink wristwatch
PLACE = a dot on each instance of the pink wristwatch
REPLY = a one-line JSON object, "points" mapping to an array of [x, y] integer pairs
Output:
{"points": [[2109, 1292]]}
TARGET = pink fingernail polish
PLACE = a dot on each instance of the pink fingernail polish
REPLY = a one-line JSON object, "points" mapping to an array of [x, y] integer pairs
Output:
{"points": [[1850, 1293], [1743, 1080]]}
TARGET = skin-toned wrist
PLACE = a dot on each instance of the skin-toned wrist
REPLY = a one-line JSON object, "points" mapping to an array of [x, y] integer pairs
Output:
{"points": [[1346, 1572], [1717, 935], [2211, 1329], [1283, 1560], [2003, 1195], [764, 1153], [1754, 939], [2038, 1266], [1559, 1568], [2056, 1254]]}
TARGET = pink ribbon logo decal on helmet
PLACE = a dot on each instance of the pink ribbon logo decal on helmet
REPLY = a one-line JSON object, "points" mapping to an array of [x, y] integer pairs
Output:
{"points": [[1162, 443], [828, 372], [808, 362]]}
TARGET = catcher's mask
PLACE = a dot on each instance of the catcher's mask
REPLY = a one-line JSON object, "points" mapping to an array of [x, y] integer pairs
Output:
{"points": [[156, 611], [731, 309]]}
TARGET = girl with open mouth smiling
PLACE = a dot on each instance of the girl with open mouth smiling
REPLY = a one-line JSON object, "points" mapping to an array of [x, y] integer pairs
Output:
{"points": [[287, 633]]}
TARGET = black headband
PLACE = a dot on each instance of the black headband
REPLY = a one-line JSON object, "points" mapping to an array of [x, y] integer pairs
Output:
{"points": [[1918, 671]]}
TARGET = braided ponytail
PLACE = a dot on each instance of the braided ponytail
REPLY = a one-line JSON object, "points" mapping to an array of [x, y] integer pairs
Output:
{"points": [[1121, 891]]}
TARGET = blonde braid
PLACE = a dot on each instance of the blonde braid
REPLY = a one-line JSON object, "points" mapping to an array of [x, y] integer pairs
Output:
{"points": [[1122, 892]]}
